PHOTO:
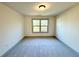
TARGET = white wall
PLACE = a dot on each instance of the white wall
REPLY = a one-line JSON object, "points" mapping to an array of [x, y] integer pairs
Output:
{"points": [[28, 26], [68, 27], [11, 28]]}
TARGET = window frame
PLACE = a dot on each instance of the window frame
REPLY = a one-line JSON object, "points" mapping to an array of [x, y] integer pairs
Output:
{"points": [[40, 24]]}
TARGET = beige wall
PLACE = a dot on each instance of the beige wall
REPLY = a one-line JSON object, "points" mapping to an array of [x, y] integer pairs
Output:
{"points": [[28, 26], [68, 27], [11, 28]]}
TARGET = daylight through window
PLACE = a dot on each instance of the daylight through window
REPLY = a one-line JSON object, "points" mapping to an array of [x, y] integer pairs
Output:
{"points": [[40, 25]]}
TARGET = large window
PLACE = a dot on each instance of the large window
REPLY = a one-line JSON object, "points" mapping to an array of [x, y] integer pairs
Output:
{"points": [[40, 25]]}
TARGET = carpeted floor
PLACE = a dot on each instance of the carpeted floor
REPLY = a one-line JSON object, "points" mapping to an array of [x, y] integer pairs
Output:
{"points": [[41, 47]]}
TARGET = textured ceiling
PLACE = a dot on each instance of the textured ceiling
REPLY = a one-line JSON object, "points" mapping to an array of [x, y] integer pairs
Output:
{"points": [[31, 8]]}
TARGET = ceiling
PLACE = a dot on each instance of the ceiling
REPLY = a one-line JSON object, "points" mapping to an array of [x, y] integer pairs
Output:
{"points": [[31, 8]]}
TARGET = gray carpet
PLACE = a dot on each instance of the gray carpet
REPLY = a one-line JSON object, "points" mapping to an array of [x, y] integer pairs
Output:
{"points": [[41, 47]]}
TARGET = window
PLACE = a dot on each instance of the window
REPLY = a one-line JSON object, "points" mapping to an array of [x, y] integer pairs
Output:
{"points": [[40, 25]]}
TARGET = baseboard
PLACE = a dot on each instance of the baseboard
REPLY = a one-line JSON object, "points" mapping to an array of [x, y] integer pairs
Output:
{"points": [[39, 36], [66, 45], [12, 47]]}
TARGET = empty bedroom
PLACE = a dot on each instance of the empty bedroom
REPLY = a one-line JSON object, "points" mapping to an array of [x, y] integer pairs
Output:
{"points": [[39, 29]]}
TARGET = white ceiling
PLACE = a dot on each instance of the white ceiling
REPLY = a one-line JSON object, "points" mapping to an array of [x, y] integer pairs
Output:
{"points": [[31, 8]]}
